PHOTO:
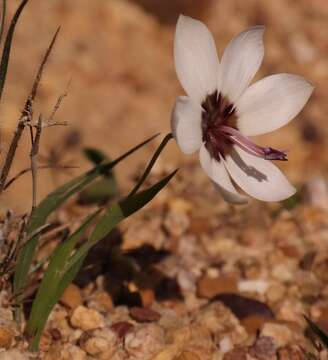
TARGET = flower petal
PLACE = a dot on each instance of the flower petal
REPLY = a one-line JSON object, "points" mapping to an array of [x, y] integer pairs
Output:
{"points": [[271, 103], [205, 160], [240, 61], [186, 124], [258, 177], [219, 175], [195, 57]]}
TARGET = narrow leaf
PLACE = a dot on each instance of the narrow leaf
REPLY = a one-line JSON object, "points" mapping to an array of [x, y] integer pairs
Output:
{"points": [[103, 190], [7, 46], [3, 18], [61, 270], [94, 155], [151, 163], [117, 213], [99, 192], [44, 61], [322, 336], [52, 277], [67, 278], [52, 202]]}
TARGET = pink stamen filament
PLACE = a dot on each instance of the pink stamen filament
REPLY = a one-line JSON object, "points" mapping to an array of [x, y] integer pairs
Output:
{"points": [[246, 144]]}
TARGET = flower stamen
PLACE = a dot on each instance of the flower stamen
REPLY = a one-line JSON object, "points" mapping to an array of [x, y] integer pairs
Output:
{"points": [[267, 153], [220, 131]]}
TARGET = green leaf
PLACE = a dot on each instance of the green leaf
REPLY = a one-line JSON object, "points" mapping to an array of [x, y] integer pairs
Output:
{"points": [[103, 190], [63, 268], [51, 203], [7, 46], [95, 156], [151, 163], [67, 278], [322, 336], [117, 213], [99, 192], [49, 288]]}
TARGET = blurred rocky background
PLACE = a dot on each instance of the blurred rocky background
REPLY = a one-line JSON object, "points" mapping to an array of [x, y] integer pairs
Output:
{"points": [[117, 56]]}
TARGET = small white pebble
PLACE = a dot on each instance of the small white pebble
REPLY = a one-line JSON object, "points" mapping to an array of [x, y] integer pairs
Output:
{"points": [[225, 345], [258, 286]]}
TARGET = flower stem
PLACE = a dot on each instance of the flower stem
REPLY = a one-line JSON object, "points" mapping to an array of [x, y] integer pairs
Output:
{"points": [[151, 163]]}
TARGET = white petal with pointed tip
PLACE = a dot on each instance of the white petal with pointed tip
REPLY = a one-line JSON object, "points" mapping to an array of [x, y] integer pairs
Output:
{"points": [[195, 58], [240, 62], [219, 175], [271, 103], [186, 124], [258, 177]]}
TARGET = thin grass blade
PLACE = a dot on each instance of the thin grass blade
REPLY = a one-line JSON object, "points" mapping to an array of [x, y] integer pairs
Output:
{"points": [[52, 278], [117, 213], [26, 114], [3, 18], [62, 269], [67, 278], [151, 163], [7, 46], [95, 156], [52, 202], [321, 335], [44, 61], [102, 190]]}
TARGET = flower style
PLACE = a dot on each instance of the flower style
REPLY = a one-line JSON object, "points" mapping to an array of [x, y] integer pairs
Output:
{"points": [[222, 109]]}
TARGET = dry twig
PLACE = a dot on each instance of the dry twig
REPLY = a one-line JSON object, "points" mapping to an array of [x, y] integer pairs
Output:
{"points": [[50, 121], [40, 167], [7, 264], [26, 117], [33, 155]]}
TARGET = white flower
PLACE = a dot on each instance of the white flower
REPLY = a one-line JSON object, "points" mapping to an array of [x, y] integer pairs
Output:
{"points": [[222, 109]]}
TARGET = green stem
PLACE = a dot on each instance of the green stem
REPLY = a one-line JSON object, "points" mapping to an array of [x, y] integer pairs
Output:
{"points": [[151, 163]]}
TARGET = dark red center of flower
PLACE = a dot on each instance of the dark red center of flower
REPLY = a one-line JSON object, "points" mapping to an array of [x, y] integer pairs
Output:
{"points": [[217, 111], [220, 132]]}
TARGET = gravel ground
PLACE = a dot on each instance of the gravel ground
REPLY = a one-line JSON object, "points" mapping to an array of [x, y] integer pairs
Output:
{"points": [[191, 277]]}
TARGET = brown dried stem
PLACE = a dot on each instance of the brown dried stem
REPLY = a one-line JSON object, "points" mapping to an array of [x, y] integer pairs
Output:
{"points": [[41, 67], [26, 117], [41, 167], [7, 265], [50, 121], [33, 155], [11, 153]]}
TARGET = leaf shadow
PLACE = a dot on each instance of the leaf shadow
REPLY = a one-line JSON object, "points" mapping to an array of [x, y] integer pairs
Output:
{"points": [[123, 268]]}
